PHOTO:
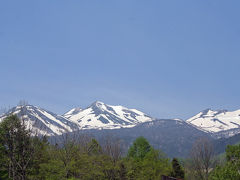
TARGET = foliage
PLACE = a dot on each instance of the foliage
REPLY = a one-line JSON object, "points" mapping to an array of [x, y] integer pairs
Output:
{"points": [[177, 170], [144, 162], [139, 149], [230, 170], [17, 146], [74, 158]]}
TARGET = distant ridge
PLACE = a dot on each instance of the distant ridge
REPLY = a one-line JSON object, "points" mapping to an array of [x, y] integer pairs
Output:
{"points": [[96, 116], [218, 123], [99, 115], [41, 121]]}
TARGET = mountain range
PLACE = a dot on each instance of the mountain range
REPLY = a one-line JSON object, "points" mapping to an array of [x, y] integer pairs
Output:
{"points": [[97, 116], [174, 136]]}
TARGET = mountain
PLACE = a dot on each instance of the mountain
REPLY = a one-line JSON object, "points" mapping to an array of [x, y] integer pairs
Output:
{"points": [[173, 136], [72, 112], [221, 144], [221, 122], [96, 116], [103, 116], [42, 121]]}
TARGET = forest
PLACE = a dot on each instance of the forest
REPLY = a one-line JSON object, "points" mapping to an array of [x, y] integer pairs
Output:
{"points": [[28, 156]]}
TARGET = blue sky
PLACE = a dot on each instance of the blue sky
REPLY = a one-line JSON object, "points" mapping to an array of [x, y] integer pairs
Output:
{"points": [[170, 59]]}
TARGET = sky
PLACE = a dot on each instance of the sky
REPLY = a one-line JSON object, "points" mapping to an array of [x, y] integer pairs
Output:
{"points": [[169, 59]]}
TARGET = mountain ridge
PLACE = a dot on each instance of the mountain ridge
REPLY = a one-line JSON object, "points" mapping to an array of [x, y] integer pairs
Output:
{"points": [[101, 115], [98, 115], [216, 121]]}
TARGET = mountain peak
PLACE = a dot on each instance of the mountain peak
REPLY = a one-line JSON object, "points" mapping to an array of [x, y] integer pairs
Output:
{"points": [[41, 121], [97, 103], [205, 111], [100, 115], [216, 120], [72, 112]]}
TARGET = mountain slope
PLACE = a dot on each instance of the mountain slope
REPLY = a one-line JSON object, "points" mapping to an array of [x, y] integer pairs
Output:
{"points": [[41, 121], [100, 115], [174, 137], [216, 121], [221, 144], [72, 112]]}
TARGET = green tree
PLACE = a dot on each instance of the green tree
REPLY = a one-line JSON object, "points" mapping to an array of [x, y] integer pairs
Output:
{"points": [[177, 170], [231, 169], [52, 170], [41, 156], [144, 162], [3, 163], [17, 146], [233, 153], [139, 149]]}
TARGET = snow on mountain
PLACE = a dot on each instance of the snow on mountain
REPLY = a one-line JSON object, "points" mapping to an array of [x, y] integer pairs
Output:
{"points": [[72, 112], [41, 121], [216, 121], [102, 116]]}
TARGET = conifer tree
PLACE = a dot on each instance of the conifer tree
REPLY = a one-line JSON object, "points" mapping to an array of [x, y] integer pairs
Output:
{"points": [[17, 146], [177, 170]]}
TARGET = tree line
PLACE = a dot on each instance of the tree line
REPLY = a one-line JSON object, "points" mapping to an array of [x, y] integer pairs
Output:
{"points": [[27, 157]]}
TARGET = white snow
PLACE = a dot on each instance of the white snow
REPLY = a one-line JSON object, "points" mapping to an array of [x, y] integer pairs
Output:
{"points": [[216, 121], [58, 127], [87, 118]]}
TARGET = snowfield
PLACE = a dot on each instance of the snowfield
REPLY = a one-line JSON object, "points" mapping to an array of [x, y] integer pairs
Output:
{"points": [[216, 121]]}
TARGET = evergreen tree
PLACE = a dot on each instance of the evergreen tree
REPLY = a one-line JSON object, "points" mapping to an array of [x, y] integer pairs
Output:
{"points": [[17, 146], [177, 170]]}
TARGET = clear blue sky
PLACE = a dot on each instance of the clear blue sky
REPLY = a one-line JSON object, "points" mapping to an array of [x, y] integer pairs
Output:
{"points": [[170, 59]]}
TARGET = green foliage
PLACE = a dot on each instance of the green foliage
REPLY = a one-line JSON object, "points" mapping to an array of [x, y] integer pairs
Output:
{"points": [[52, 170], [233, 153], [3, 163], [17, 147], [177, 170], [72, 160], [94, 148], [230, 170], [226, 172], [40, 157], [139, 149], [144, 162]]}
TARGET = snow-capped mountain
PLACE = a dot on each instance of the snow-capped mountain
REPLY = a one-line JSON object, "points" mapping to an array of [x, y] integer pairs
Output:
{"points": [[220, 123], [217, 121], [41, 121], [102, 116], [96, 116], [72, 112]]}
